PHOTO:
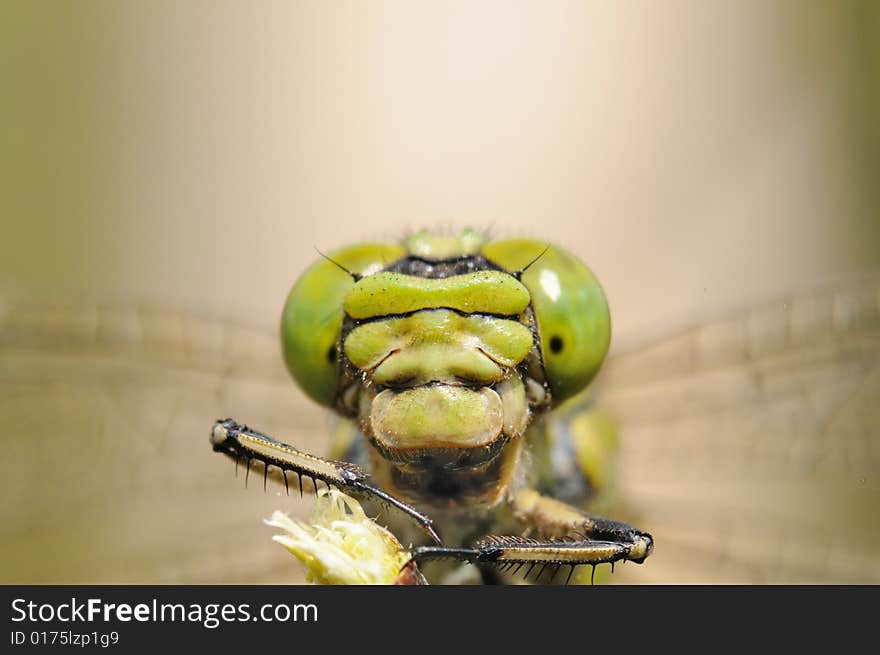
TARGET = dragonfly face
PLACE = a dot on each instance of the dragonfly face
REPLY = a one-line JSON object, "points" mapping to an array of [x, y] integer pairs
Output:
{"points": [[442, 349]]}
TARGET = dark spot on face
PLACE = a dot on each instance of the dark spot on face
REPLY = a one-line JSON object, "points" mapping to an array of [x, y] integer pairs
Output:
{"points": [[443, 486], [331, 354], [556, 344]]}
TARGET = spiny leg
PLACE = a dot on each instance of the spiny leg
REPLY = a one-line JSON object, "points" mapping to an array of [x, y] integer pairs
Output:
{"points": [[568, 537], [240, 442], [553, 519]]}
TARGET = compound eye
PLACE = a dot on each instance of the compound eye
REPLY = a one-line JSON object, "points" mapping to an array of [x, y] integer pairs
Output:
{"points": [[574, 324], [312, 319]]}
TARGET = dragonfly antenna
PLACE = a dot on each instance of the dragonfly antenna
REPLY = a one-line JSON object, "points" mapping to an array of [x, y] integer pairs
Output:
{"points": [[354, 275], [526, 267]]}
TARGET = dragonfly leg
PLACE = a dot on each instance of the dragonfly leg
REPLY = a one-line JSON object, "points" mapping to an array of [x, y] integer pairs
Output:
{"points": [[553, 519], [568, 537], [241, 443]]}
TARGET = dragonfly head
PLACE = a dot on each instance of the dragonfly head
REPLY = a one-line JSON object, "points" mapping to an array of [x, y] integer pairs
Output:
{"points": [[444, 346]]}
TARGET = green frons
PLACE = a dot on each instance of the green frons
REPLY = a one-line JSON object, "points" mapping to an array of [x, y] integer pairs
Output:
{"points": [[486, 292]]}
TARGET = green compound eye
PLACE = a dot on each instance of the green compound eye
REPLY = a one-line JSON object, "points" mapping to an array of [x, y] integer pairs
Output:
{"points": [[312, 317], [570, 308]]}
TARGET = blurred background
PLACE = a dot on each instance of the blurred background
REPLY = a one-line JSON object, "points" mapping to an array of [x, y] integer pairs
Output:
{"points": [[167, 169]]}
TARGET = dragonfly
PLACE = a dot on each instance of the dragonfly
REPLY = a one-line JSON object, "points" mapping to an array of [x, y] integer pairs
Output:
{"points": [[441, 349], [747, 444]]}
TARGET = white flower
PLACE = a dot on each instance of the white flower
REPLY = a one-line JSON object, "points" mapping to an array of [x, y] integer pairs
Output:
{"points": [[342, 545]]}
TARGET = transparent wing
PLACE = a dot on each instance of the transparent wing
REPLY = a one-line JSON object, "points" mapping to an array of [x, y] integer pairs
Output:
{"points": [[750, 446], [107, 471]]}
